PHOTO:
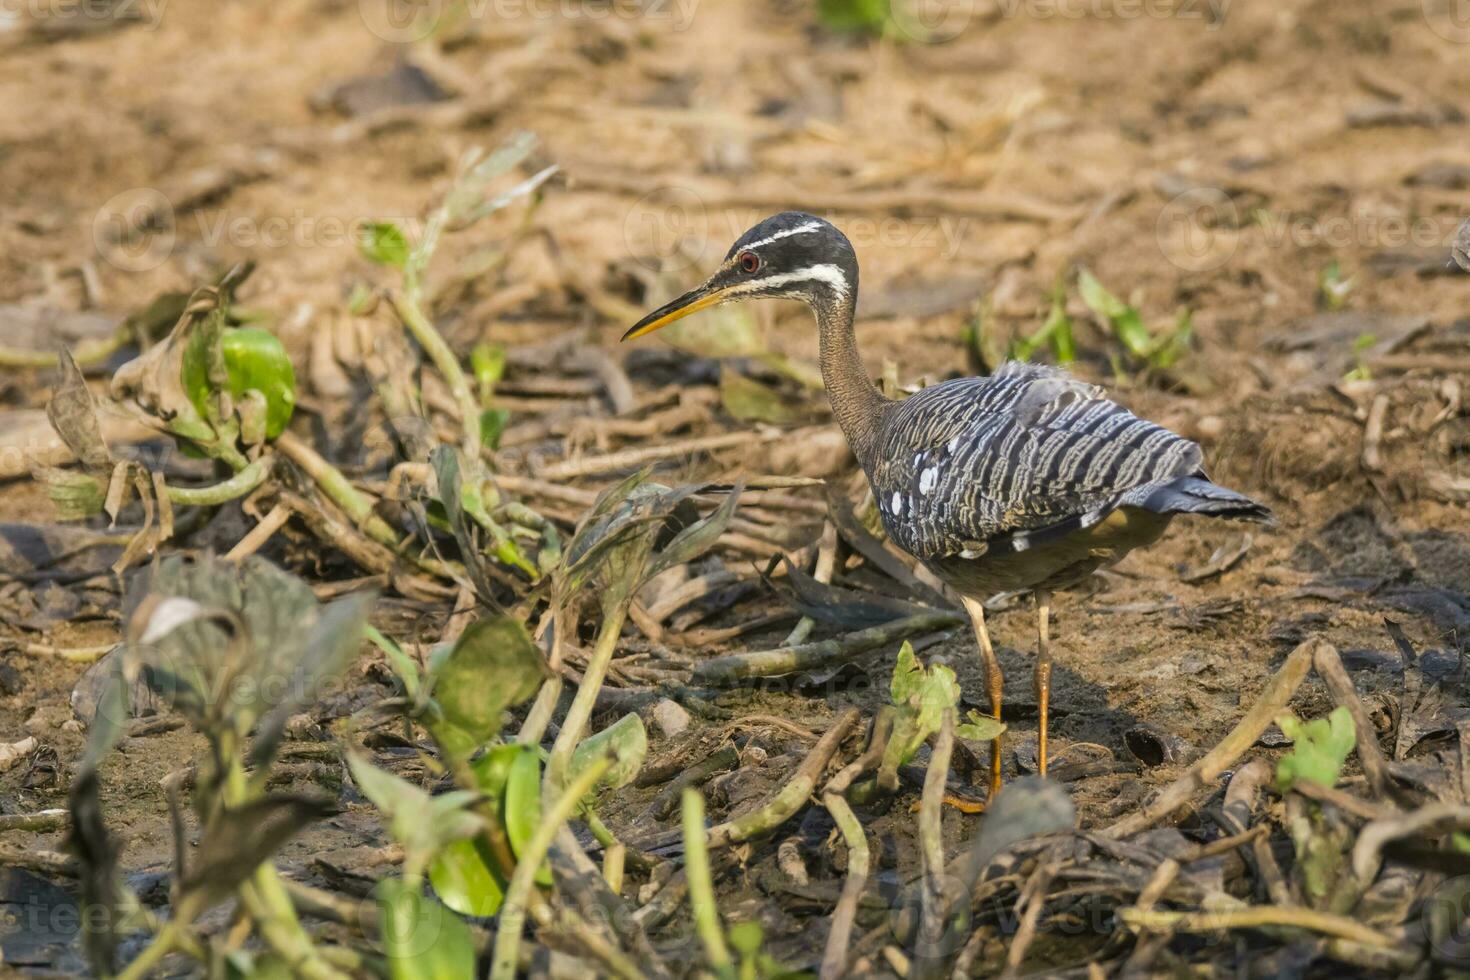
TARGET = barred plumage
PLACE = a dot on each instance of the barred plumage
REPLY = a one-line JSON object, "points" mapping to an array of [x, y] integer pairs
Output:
{"points": [[1021, 459]]}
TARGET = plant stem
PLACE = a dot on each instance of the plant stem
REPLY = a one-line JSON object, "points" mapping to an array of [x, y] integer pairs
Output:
{"points": [[406, 305], [1255, 917], [87, 353], [834, 957], [513, 912], [242, 483], [784, 660], [162, 944], [575, 723], [701, 887], [791, 797]]}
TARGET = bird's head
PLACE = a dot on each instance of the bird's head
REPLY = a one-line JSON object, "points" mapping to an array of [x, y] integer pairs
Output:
{"points": [[791, 255]]}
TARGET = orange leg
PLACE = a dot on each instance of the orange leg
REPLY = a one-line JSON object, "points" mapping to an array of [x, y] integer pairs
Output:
{"points": [[1043, 672], [993, 683]]}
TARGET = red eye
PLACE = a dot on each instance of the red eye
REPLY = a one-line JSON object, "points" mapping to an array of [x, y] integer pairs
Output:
{"points": [[749, 261]]}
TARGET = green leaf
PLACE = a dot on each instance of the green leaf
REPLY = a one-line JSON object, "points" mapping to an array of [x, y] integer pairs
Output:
{"points": [[980, 727], [747, 400], [404, 667], [1125, 321], [237, 361], [423, 824], [463, 880], [870, 16], [384, 243], [523, 804], [487, 361], [921, 696], [1321, 747], [699, 537], [492, 426], [627, 741], [493, 666], [423, 939]]}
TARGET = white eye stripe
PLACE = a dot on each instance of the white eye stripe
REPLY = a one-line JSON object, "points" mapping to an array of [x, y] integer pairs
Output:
{"points": [[830, 274], [805, 229]]}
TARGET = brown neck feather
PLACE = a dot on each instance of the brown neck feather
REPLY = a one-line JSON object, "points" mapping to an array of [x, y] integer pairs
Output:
{"points": [[855, 400]]}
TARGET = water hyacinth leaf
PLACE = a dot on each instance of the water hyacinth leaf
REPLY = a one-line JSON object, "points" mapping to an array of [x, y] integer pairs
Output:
{"points": [[494, 665], [423, 939], [626, 740], [423, 824], [1320, 748], [384, 243], [332, 643], [594, 524], [522, 808], [255, 623], [697, 538], [463, 880], [237, 840]]}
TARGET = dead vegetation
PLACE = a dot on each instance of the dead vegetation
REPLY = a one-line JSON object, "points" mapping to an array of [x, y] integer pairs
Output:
{"points": [[366, 611]]}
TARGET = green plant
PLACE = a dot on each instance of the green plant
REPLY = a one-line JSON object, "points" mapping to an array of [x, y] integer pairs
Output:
{"points": [[1142, 347], [1055, 333], [920, 696], [1361, 346], [1332, 288], [213, 638]]}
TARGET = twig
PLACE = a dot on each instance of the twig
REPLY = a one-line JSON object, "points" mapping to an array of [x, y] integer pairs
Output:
{"points": [[629, 459], [701, 887], [1033, 899], [931, 839], [826, 563], [1204, 772], [1256, 917], [784, 660], [37, 823], [513, 911], [1329, 667], [834, 957], [790, 798], [260, 533]]}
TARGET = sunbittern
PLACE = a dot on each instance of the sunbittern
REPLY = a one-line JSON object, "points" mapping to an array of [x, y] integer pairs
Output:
{"points": [[1024, 480]]}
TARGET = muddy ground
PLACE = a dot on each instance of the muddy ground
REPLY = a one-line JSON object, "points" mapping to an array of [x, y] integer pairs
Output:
{"points": [[1218, 161]]}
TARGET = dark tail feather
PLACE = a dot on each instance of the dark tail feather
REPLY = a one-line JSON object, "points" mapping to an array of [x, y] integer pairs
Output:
{"points": [[1196, 495]]}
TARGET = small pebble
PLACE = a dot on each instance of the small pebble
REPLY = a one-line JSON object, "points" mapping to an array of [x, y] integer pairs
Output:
{"points": [[670, 717]]}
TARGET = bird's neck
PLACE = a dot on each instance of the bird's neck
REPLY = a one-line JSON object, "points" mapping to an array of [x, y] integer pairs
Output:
{"points": [[856, 401]]}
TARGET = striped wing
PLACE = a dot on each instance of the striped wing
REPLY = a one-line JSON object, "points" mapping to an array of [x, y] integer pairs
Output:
{"points": [[1012, 459]]}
